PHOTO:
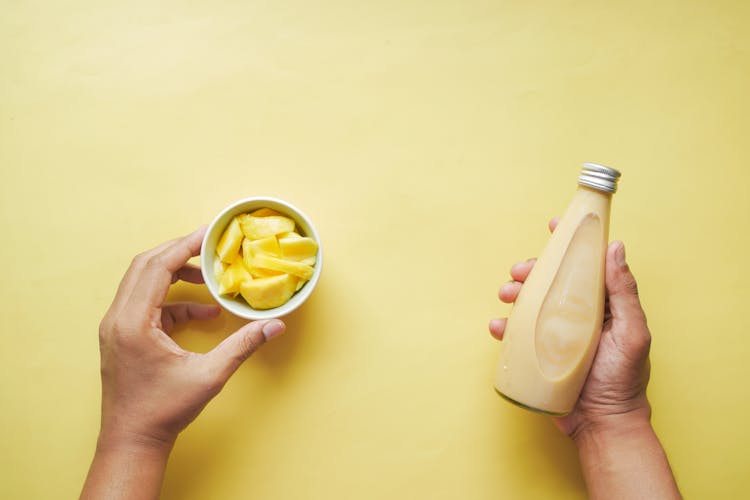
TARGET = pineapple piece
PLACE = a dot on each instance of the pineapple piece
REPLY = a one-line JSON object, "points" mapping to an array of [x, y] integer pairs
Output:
{"points": [[286, 266], [291, 234], [299, 249], [247, 255], [264, 246], [219, 268], [256, 228], [259, 272], [267, 293], [264, 212], [233, 278], [230, 241], [300, 284]]}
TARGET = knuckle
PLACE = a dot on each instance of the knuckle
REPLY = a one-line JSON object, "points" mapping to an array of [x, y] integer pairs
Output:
{"points": [[121, 331], [118, 326], [154, 262], [105, 326], [139, 260], [647, 340], [116, 329], [641, 343], [104, 330]]}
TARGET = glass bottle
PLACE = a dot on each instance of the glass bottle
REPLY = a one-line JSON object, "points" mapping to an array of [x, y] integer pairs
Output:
{"points": [[553, 331]]}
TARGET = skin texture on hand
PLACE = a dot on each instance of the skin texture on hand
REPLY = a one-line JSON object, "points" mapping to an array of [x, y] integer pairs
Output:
{"points": [[152, 388], [612, 414]]}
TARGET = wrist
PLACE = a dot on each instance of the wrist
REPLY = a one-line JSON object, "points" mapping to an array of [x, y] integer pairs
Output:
{"points": [[113, 440], [621, 457], [126, 465], [611, 428]]}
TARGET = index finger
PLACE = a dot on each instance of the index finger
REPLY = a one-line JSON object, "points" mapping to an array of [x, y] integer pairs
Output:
{"points": [[133, 272], [153, 281]]}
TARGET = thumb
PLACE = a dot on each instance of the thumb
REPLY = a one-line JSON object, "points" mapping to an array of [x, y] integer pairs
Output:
{"points": [[622, 288], [229, 355], [624, 304], [629, 326]]}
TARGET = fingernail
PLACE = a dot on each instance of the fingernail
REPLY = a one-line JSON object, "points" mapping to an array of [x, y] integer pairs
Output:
{"points": [[273, 328], [620, 255]]}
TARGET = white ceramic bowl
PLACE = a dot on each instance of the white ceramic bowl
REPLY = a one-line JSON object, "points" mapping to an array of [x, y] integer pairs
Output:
{"points": [[237, 305]]}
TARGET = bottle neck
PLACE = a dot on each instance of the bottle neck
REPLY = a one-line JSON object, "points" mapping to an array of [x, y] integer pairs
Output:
{"points": [[594, 191], [594, 198]]}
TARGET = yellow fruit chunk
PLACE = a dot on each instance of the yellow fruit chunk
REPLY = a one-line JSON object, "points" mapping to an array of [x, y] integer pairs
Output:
{"points": [[289, 235], [247, 255], [233, 278], [300, 284], [219, 268], [264, 212], [265, 246], [230, 241], [286, 266], [299, 249], [256, 228], [267, 293], [257, 272]]}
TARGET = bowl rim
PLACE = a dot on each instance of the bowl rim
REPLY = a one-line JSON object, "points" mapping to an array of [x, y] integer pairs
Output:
{"points": [[242, 309]]}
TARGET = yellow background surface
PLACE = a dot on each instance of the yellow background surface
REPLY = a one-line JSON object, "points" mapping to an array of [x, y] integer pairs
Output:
{"points": [[429, 141]]}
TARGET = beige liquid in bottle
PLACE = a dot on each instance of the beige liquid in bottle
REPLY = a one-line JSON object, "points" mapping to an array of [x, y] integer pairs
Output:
{"points": [[553, 331]]}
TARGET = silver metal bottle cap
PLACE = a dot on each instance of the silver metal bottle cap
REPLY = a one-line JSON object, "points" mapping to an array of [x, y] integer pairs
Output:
{"points": [[599, 177]]}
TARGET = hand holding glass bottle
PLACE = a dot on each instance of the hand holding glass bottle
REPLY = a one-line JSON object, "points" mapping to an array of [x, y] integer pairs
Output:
{"points": [[610, 424], [553, 332], [616, 384]]}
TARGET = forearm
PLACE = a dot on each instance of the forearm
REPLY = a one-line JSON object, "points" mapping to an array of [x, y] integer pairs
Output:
{"points": [[126, 468], [625, 460]]}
